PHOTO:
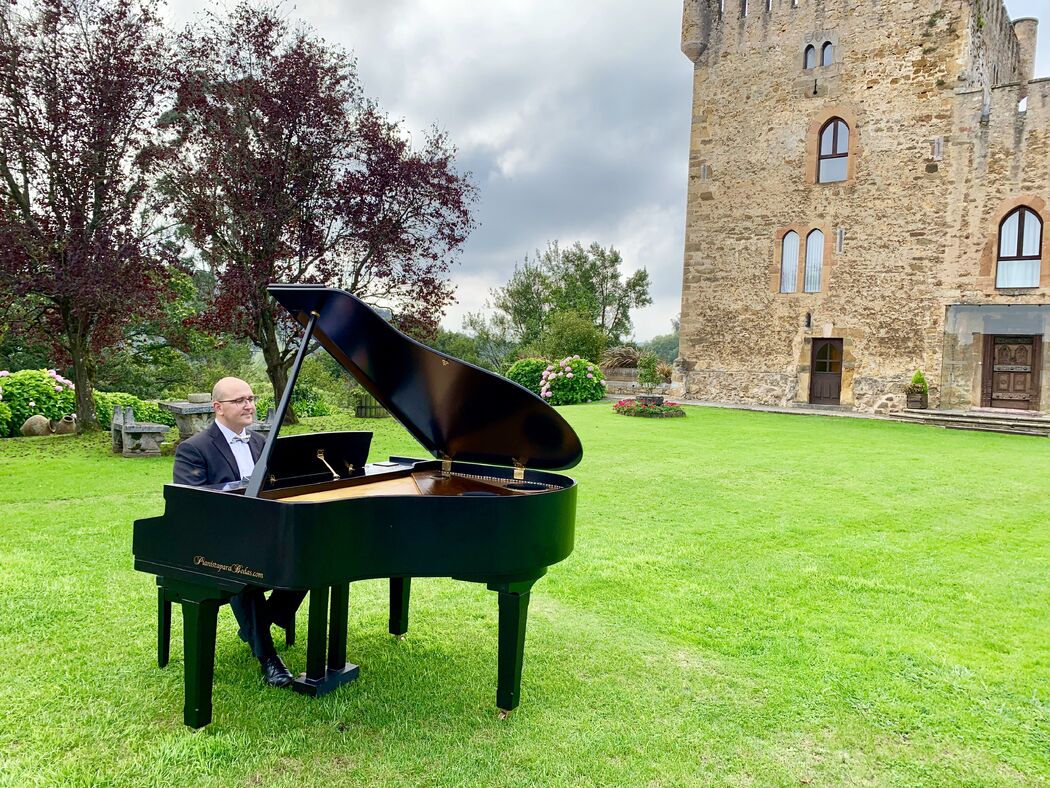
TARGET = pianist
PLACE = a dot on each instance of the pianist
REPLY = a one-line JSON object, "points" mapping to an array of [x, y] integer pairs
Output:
{"points": [[226, 452]]}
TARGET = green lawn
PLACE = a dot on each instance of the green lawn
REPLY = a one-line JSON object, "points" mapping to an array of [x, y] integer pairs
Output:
{"points": [[753, 599]]}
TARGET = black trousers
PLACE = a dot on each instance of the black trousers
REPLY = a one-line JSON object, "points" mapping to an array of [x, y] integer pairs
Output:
{"points": [[254, 613]]}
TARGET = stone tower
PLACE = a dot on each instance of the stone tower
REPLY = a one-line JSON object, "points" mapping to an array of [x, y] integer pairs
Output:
{"points": [[859, 173]]}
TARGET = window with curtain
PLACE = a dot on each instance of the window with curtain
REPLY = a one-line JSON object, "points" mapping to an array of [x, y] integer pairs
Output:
{"points": [[814, 261], [1020, 249], [789, 262], [827, 53], [809, 59], [833, 159]]}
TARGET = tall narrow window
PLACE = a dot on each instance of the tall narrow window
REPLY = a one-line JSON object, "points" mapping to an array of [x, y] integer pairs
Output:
{"points": [[827, 54], [789, 263], [809, 59], [834, 151], [814, 261], [1020, 249]]}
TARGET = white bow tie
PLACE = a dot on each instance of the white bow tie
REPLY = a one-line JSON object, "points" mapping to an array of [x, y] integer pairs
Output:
{"points": [[242, 438]]}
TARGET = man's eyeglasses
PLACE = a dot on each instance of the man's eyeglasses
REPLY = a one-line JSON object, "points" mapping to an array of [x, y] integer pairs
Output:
{"points": [[240, 402]]}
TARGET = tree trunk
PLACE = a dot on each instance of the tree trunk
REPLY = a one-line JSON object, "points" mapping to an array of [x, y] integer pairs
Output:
{"points": [[84, 382], [276, 370]]}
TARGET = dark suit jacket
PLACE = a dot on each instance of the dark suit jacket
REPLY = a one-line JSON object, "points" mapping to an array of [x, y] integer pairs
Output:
{"points": [[206, 458]]}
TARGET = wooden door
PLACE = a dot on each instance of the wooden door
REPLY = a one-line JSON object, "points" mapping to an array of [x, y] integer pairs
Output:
{"points": [[1011, 376], [825, 386]]}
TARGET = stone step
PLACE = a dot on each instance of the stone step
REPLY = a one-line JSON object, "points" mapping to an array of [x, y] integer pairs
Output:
{"points": [[1016, 424]]}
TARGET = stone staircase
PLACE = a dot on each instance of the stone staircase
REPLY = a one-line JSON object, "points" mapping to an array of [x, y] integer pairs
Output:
{"points": [[982, 419]]}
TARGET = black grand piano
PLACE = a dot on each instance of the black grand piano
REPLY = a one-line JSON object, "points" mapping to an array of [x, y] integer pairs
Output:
{"points": [[485, 509]]}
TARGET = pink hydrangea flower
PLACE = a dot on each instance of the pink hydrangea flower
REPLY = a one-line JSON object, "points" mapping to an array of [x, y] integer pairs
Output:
{"points": [[4, 373], [590, 376], [569, 375], [58, 388], [546, 394], [576, 356]]}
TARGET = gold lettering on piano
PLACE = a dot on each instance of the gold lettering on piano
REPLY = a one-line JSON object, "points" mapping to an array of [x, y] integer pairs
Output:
{"points": [[237, 569]]}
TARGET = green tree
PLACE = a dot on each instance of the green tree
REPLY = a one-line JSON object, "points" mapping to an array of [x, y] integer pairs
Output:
{"points": [[584, 282], [493, 339], [589, 282], [525, 301]]}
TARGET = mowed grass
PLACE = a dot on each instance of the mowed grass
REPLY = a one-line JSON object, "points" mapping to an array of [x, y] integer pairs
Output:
{"points": [[753, 599]]}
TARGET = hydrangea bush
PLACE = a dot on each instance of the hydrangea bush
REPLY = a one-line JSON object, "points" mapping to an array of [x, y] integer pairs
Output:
{"points": [[5, 419], [528, 372], [572, 380], [32, 391], [44, 391]]}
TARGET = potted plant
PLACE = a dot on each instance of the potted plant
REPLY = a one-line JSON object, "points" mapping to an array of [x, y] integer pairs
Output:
{"points": [[918, 391], [649, 378]]}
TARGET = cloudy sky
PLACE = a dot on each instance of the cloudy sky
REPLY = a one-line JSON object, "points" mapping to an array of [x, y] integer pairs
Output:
{"points": [[572, 115]]}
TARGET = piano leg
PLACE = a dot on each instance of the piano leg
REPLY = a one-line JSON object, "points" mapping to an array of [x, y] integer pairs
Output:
{"points": [[163, 627], [324, 640], [513, 613], [198, 643], [400, 588]]}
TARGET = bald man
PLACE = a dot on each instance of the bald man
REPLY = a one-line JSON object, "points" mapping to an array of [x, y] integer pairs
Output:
{"points": [[226, 452]]}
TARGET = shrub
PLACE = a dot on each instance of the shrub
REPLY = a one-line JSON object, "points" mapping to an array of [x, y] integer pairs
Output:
{"points": [[570, 332], [918, 384], [648, 377], [106, 401], [5, 419], [306, 401], [664, 370], [528, 372], [630, 407], [622, 356], [572, 380], [32, 391]]}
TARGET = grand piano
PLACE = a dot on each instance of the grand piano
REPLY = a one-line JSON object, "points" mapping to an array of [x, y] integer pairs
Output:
{"points": [[486, 507]]}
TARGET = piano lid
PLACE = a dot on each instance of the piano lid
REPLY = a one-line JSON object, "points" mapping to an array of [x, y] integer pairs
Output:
{"points": [[453, 408]]}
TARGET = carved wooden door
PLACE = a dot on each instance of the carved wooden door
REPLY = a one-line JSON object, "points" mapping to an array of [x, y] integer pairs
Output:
{"points": [[825, 376], [1012, 372]]}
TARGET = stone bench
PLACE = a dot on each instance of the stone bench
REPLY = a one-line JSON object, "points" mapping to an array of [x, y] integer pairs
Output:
{"points": [[135, 438]]}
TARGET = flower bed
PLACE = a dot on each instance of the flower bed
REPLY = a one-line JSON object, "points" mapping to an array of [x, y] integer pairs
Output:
{"points": [[630, 407]]}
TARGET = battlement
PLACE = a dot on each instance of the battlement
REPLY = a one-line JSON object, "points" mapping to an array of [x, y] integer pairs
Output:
{"points": [[994, 50]]}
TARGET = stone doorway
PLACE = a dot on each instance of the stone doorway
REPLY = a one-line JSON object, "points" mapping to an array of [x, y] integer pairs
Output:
{"points": [[1011, 371], [825, 380]]}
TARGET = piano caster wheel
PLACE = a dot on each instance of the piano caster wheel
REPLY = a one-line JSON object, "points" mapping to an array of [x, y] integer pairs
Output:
{"points": [[503, 714]]}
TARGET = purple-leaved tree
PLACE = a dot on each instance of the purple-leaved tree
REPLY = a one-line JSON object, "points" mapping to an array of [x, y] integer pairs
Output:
{"points": [[81, 85], [281, 172]]}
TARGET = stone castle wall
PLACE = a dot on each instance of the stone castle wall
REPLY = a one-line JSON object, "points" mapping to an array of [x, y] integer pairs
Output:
{"points": [[904, 234]]}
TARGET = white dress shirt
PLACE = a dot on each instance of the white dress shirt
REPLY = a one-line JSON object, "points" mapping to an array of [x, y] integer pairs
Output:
{"points": [[241, 451]]}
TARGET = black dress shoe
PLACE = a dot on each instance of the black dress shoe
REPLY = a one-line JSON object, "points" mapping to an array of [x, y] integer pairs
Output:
{"points": [[274, 672]]}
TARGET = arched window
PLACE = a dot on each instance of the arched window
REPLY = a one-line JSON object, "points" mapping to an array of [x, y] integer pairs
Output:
{"points": [[834, 151], [814, 261], [827, 53], [1020, 249], [809, 60], [789, 263]]}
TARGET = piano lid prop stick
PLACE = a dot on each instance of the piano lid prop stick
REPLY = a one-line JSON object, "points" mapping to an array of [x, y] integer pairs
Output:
{"points": [[256, 481]]}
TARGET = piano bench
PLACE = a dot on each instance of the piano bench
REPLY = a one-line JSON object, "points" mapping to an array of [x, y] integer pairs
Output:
{"points": [[164, 600]]}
